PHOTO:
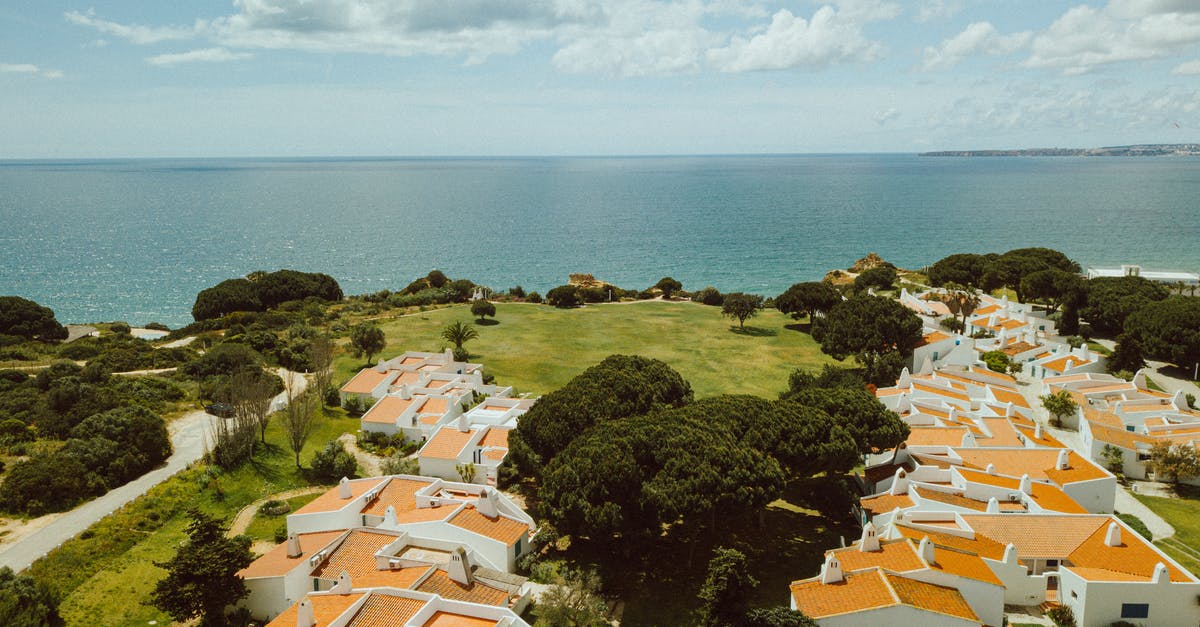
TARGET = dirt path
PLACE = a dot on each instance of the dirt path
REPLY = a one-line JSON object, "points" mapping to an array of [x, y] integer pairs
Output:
{"points": [[242, 521], [369, 465]]}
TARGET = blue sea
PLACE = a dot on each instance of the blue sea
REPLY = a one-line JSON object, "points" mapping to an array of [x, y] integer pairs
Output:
{"points": [[135, 240]]}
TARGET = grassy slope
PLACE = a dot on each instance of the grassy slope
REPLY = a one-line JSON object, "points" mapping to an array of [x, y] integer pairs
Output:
{"points": [[537, 348], [107, 578], [1183, 513]]}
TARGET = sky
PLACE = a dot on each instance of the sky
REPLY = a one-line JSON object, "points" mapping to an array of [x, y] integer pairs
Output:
{"points": [[241, 78]]}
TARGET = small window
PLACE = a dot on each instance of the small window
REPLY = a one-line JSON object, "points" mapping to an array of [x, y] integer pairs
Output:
{"points": [[1074, 595], [1051, 563], [1135, 610]]}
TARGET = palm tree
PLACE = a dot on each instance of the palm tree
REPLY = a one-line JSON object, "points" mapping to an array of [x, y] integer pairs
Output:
{"points": [[458, 332]]}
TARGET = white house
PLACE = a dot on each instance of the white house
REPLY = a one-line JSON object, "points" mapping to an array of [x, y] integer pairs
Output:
{"points": [[348, 605]]}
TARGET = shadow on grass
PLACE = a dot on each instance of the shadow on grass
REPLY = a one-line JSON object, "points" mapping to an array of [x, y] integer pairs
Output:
{"points": [[487, 322], [659, 582], [754, 331], [801, 327]]}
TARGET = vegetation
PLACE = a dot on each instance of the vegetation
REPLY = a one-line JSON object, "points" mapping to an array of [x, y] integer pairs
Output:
{"points": [[1059, 404], [1137, 525], [572, 601], [724, 597], [1174, 462], [741, 307], [563, 297], [668, 287], [1017, 270], [1114, 459], [26, 602], [1168, 329], [367, 340], [202, 578], [25, 319], [459, 333], [879, 277], [1113, 299], [808, 299], [333, 462], [999, 361], [1061, 616], [709, 296], [482, 309], [1183, 513], [260, 291], [879, 332]]}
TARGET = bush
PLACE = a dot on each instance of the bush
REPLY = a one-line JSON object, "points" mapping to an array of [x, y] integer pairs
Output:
{"points": [[120, 328], [952, 324], [516, 292], [482, 309], [281, 534], [398, 465], [533, 297], [563, 296], [275, 507], [353, 405], [708, 296], [461, 354], [156, 326], [333, 462], [1062, 616], [1137, 525]]}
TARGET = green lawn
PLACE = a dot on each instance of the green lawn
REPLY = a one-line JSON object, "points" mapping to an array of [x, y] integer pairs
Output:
{"points": [[1183, 513], [107, 573], [263, 526], [537, 348]]}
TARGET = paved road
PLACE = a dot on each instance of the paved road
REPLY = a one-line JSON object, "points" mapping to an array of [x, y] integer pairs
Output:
{"points": [[189, 437]]}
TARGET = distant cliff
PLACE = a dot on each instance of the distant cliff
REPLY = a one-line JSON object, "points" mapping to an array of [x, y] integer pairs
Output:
{"points": [[1139, 150]]}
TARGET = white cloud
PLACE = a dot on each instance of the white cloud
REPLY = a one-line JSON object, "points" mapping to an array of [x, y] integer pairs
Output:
{"points": [[134, 33], [1084, 37], [30, 69], [793, 42], [1187, 69], [203, 55], [977, 38], [887, 115], [930, 10]]}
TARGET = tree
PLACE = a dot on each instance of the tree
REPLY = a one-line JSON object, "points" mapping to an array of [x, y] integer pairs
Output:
{"points": [[466, 472], [668, 286], [367, 339], [1111, 300], [871, 425], [999, 361], [963, 269], [250, 392], [1174, 462], [333, 462], [1168, 330], [777, 616], [725, 595], [1113, 458], [573, 601], [960, 300], [24, 318], [808, 299], [482, 309], [709, 296], [740, 306], [1059, 404], [879, 277], [871, 328], [320, 357], [299, 415], [458, 333], [563, 296], [223, 359], [27, 602], [1128, 356], [1052, 286], [436, 279], [202, 578]]}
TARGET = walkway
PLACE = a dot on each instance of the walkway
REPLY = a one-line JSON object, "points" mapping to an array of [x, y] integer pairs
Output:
{"points": [[246, 515], [369, 465]]}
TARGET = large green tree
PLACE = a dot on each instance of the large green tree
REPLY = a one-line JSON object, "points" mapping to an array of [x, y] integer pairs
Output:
{"points": [[1111, 300], [741, 307], [27, 602], [962, 268], [260, 291], [668, 286], [24, 318], [877, 331], [1168, 330], [367, 340], [1053, 287], [872, 425], [808, 299], [725, 594], [563, 296], [202, 578]]}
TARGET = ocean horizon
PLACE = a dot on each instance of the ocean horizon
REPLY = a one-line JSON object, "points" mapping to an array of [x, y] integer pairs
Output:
{"points": [[135, 239]]}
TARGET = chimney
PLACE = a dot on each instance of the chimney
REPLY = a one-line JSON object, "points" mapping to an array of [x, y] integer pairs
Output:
{"points": [[993, 506], [1031, 337], [1139, 379], [903, 406], [304, 614], [293, 546], [831, 570], [1179, 401], [343, 585], [1037, 431], [344, 491], [1010, 554], [1161, 575], [405, 392], [953, 415], [899, 483], [1064, 460], [488, 503], [464, 425], [1113, 537], [381, 366], [926, 366], [449, 355], [1026, 484], [991, 469], [459, 568], [1009, 409], [869, 541], [905, 379], [389, 518], [926, 549]]}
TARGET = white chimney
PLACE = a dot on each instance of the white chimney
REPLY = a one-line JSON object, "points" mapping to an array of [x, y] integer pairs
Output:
{"points": [[464, 425], [1113, 537], [405, 392], [389, 517], [993, 506], [293, 546], [1085, 352], [1010, 554], [1179, 401], [869, 541], [488, 504], [1037, 431], [953, 415], [1161, 574], [991, 469], [1004, 302], [926, 366], [1026, 484], [459, 569], [304, 614], [1009, 409], [381, 366], [449, 355], [831, 570], [344, 491], [926, 549], [1139, 379], [343, 585], [1064, 460], [903, 406], [900, 483]]}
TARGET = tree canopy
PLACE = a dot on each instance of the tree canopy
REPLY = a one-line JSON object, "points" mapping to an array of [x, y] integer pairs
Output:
{"points": [[725, 595], [876, 330], [563, 296], [27, 602], [879, 277], [1113, 299], [808, 299], [1168, 330], [202, 578], [367, 340], [24, 318], [741, 307], [992, 271], [668, 286], [1054, 287], [260, 291], [962, 268], [482, 309]]}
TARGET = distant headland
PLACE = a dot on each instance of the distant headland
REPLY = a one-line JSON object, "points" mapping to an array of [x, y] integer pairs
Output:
{"points": [[1138, 150]]}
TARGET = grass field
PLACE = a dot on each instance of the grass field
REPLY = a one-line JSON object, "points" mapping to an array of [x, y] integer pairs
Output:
{"points": [[537, 348], [1183, 513], [107, 573]]}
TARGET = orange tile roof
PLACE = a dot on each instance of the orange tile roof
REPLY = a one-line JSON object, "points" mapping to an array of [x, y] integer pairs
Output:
{"points": [[1017, 348], [936, 436], [495, 437], [411, 360], [385, 610], [876, 589], [1008, 396], [895, 555], [402, 578], [449, 619], [497, 407], [977, 476], [354, 555], [326, 608], [387, 410], [400, 493], [1133, 557], [434, 406], [331, 502], [1038, 463], [885, 503], [439, 582], [276, 563], [931, 597], [364, 381], [979, 545], [1120, 437], [1063, 363], [931, 338], [998, 378], [1003, 433], [447, 443], [940, 391], [1037, 536], [958, 500], [1047, 440], [963, 564], [408, 377], [505, 530]]}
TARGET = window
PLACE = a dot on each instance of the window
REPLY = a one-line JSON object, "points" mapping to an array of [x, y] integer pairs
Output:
{"points": [[1051, 563], [1135, 610]]}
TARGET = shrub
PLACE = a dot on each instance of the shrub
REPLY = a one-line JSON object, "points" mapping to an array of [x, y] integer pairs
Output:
{"points": [[1137, 525], [1062, 616], [708, 296], [353, 405], [156, 326], [281, 534], [1074, 341], [516, 292], [120, 328], [398, 465], [563, 296], [333, 462], [275, 507], [952, 324], [332, 398], [533, 297]]}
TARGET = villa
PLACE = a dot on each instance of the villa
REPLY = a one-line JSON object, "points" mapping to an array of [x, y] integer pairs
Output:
{"points": [[390, 607], [371, 384]]}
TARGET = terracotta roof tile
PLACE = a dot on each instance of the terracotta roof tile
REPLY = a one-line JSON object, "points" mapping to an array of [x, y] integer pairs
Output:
{"points": [[1133, 557], [478, 592], [400, 493], [449, 619], [387, 410], [1037, 536], [884, 503], [385, 610], [958, 500], [364, 381], [940, 391], [855, 593], [495, 437], [331, 502], [979, 545], [505, 530], [1003, 433], [1038, 463], [326, 608], [276, 563], [1009, 396], [930, 597], [896, 555], [354, 555], [447, 443], [963, 564]]}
